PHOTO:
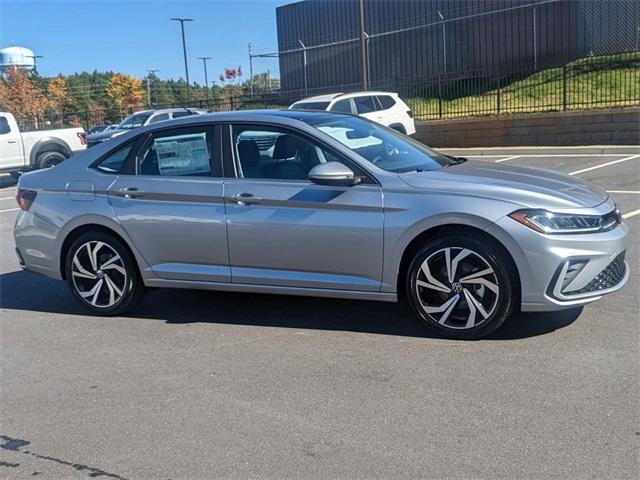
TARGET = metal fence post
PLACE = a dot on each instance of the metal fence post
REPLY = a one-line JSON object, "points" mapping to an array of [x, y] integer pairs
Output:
{"points": [[498, 95], [439, 97], [564, 88]]}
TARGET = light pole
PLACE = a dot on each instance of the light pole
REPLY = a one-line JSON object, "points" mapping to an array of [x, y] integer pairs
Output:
{"points": [[150, 72], [184, 51], [206, 79], [364, 64]]}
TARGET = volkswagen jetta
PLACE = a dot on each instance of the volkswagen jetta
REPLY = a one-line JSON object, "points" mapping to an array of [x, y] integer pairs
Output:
{"points": [[322, 204]]}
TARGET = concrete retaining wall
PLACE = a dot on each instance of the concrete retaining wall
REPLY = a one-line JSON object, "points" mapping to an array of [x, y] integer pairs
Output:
{"points": [[620, 126]]}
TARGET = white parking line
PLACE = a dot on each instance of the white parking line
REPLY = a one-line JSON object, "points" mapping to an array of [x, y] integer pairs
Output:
{"points": [[631, 214], [8, 198], [622, 191], [9, 210], [604, 165], [508, 158]]}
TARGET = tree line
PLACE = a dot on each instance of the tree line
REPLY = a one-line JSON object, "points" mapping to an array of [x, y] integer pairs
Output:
{"points": [[106, 97]]}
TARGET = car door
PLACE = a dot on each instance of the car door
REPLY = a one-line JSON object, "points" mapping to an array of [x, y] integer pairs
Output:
{"points": [[171, 206], [11, 149], [284, 230]]}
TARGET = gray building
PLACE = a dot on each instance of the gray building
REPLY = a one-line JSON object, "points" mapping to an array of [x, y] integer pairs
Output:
{"points": [[413, 40]]}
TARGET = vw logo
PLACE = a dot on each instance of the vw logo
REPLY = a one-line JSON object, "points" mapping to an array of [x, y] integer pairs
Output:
{"points": [[456, 287]]}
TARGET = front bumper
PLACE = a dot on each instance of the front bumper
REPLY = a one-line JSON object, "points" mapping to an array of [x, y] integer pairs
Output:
{"points": [[562, 271]]}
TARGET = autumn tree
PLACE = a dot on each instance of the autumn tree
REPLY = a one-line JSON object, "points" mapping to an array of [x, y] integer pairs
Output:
{"points": [[57, 94], [125, 90], [20, 96]]}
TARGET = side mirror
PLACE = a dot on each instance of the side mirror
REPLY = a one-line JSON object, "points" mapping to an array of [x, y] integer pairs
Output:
{"points": [[332, 173]]}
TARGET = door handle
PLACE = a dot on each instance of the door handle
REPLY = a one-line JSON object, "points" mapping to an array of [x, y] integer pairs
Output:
{"points": [[12, 140], [244, 199], [131, 192]]}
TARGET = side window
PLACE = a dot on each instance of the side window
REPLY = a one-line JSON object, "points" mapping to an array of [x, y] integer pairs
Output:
{"points": [[181, 114], [342, 106], [113, 163], [386, 101], [273, 153], [178, 153], [364, 104], [4, 126], [159, 118]]}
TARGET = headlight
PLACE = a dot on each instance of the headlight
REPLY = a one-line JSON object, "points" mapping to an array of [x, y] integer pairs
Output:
{"points": [[543, 221]]}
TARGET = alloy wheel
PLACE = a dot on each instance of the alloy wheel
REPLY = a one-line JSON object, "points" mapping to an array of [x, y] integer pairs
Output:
{"points": [[99, 275], [457, 288]]}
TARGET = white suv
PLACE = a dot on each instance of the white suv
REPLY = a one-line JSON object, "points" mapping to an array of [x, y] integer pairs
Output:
{"points": [[385, 108]]}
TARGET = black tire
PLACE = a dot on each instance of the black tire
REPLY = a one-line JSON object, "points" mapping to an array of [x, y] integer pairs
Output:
{"points": [[128, 283], [50, 159], [462, 318], [15, 175]]}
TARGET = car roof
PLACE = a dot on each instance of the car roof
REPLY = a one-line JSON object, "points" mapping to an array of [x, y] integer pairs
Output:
{"points": [[249, 115], [169, 110], [320, 98], [333, 96]]}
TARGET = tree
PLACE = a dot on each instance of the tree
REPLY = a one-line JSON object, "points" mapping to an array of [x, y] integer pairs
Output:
{"points": [[57, 94], [125, 90], [21, 96]]}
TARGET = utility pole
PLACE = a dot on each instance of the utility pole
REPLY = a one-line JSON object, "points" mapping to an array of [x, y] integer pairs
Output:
{"points": [[184, 51], [444, 41], [251, 71], [206, 79], [35, 61], [150, 72], [363, 48]]}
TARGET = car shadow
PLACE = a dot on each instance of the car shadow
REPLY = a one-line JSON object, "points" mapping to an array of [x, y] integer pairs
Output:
{"points": [[7, 181], [26, 291]]}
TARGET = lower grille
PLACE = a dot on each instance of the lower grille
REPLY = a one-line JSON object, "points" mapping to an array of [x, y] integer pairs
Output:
{"points": [[611, 276]]}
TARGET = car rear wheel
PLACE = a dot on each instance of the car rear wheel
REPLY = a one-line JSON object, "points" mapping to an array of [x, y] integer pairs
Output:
{"points": [[102, 274], [460, 288], [50, 159]]}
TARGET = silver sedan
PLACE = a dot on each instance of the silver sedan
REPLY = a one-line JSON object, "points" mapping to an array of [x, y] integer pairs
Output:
{"points": [[315, 203]]}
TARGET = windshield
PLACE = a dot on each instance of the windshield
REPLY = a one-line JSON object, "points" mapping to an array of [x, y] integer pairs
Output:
{"points": [[134, 121], [385, 148], [309, 106]]}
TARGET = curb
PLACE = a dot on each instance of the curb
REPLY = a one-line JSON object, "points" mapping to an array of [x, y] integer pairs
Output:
{"points": [[580, 150]]}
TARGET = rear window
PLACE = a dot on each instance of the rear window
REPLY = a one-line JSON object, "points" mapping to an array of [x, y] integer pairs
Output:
{"points": [[113, 163], [365, 104], [386, 101], [342, 106], [4, 126], [310, 106]]}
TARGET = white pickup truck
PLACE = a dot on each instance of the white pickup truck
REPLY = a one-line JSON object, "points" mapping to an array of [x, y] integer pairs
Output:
{"points": [[21, 152]]}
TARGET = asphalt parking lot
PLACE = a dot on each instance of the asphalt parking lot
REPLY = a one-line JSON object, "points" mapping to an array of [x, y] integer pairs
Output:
{"points": [[211, 385]]}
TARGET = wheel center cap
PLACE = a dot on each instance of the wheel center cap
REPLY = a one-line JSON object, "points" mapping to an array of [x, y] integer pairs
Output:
{"points": [[456, 287], [100, 274]]}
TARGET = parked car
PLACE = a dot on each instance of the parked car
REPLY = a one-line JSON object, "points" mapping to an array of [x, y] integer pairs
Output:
{"points": [[96, 129], [23, 151], [337, 206], [385, 108], [141, 119]]}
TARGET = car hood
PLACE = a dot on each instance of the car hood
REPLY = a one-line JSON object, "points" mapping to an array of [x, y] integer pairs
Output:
{"points": [[525, 186], [101, 136]]}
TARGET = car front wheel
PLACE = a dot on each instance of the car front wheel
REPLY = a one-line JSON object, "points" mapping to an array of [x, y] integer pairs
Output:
{"points": [[102, 274], [460, 287]]}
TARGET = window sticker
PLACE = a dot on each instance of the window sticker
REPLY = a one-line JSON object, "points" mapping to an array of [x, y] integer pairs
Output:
{"points": [[183, 155]]}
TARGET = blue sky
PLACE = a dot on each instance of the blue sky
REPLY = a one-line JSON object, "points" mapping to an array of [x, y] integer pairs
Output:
{"points": [[133, 36]]}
